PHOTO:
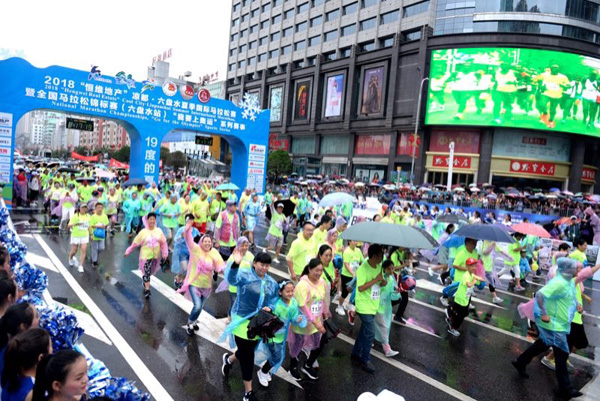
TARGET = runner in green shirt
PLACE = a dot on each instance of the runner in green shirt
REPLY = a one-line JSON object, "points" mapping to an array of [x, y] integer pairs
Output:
{"points": [[275, 235], [459, 309], [353, 258], [303, 249], [98, 224]]}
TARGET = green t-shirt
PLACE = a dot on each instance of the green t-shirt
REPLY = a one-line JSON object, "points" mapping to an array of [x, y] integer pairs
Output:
{"points": [[464, 292], [354, 258], [95, 220], [578, 256], [461, 261], [167, 210], [514, 254], [285, 312], [559, 299], [277, 225], [367, 302], [488, 263], [81, 225], [301, 252]]}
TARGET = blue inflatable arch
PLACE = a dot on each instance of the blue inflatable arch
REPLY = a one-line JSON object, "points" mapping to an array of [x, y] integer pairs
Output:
{"points": [[146, 110]]}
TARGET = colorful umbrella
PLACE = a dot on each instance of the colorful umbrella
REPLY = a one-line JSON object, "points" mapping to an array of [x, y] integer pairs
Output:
{"points": [[228, 186], [336, 198], [531, 229]]}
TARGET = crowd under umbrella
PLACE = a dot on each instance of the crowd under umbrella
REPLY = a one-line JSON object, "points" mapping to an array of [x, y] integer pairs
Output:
{"points": [[288, 208], [452, 219], [530, 229], [389, 234], [485, 232], [336, 199], [134, 182], [228, 186]]}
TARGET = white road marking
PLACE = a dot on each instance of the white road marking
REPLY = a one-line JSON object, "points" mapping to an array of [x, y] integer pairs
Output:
{"points": [[413, 372], [211, 328], [40, 261], [137, 365], [88, 323], [428, 285]]}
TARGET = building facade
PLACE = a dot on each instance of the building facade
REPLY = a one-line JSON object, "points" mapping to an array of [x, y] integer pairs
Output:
{"points": [[342, 80]]}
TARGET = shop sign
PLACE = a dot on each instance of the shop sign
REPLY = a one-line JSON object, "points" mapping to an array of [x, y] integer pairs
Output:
{"points": [[464, 141], [550, 147], [459, 161], [278, 143], [372, 145], [406, 143], [535, 168], [588, 174]]}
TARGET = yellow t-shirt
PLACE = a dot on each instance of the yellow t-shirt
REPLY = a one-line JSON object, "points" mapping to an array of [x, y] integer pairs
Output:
{"points": [[210, 260], [150, 241], [301, 252]]}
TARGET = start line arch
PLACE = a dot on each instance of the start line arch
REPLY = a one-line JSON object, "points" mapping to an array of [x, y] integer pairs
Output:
{"points": [[147, 111]]}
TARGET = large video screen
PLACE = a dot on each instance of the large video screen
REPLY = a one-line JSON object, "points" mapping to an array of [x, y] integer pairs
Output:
{"points": [[513, 87]]}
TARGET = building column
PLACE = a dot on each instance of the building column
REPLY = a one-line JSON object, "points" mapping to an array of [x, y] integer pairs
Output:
{"points": [[421, 160], [350, 166], [576, 170], [392, 154], [486, 141]]}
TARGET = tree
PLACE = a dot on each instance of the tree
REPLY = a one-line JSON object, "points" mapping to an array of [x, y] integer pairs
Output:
{"points": [[177, 160], [82, 150], [279, 163], [164, 154], [122, 154]]}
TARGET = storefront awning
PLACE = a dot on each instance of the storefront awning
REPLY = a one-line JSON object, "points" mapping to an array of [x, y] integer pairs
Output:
{"points": [[335, 160], [380, 161]]}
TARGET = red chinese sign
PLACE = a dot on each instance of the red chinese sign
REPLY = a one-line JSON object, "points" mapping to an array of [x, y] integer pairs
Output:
{"points": [[278, 143], [588, 174], [532, 167], [117, 164], [459, 161], [405, 144], [464, 141], [77, 156], [373, 145]]}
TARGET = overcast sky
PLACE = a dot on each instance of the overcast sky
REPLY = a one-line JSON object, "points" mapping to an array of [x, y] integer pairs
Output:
{"points": [[119, 35]]}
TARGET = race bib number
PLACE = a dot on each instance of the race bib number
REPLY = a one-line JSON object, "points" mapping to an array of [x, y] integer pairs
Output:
{"points": [[316, 308], [354, 266], [84, 225], [375, 292], [279, 224], [470, 292]]}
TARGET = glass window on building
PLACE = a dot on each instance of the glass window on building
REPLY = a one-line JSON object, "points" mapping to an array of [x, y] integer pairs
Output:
{"points": [[303, 145], [369, 3], [231, 67], [243, 33], [317, 2], [242, 64], [277, 3], [254, 29], [288, 31], [386, 42], [237, 7], [334, 144], [345, 52], [303, 7], [331, 35], [368, 24], [251, 60], [348, 30], [243, 48], [252, 45], [244, 18], [416, 9], [310, 61], [233, 52], [255, 12], [300, 45], [266, 8], [315, 40], [390, 17], [234, 37], [264, 24], [235, 22], [262, 41], [316, 21], [286, 50], [301, 26], [262, 57], [350, 8], [276, 19], [414, 34], [299, 64], [275, 36], [366, 46], [332, 15], [274, 53], [289, 13], [330, 56]]}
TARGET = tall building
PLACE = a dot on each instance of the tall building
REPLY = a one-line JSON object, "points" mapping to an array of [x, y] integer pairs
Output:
{"points": [[508, 82], [106, 134]]}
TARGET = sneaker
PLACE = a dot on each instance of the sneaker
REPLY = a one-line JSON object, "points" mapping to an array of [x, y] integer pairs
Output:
{"points": [[195, 326], [75, 261], [368, 367], [444, 301], [351, 317], [519, 289], [448, 322], [471, 307], [249, 396], [399, 320], [430, 271], [570, 366], [147, 294], [95, 265], [190, 330], [71, 263], [275, 261], [310, 372], [441, 280], [263, 378], [391, 353], [295, 374], [497, 300], [340, 310], [454, 332], [315, 364], [549, 363], [80, 269], [226, 368]]}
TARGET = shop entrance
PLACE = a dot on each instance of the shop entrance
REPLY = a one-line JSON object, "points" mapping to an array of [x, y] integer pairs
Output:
{"points": [[439, 177], [500, 181]]}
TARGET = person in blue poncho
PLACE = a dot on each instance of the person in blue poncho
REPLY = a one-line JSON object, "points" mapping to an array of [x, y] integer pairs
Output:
{"points": [[256, 291], [554, 310], [251, 214], [131, 208], [181, 253]]}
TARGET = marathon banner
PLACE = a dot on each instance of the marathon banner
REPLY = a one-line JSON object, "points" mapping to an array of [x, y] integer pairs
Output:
{"points": [[117, 164], [77, 156]]}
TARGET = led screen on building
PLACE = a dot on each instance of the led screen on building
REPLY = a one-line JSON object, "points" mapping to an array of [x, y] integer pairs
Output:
{"points": [[512, 87]]}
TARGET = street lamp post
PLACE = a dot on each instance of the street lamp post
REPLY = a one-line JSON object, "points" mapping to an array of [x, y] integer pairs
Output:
{"points": [[414, 149], [450, 166]]}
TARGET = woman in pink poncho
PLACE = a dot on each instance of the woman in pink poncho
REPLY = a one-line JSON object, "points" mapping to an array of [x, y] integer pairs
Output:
{"points": [[204, 261], [153, 243], [594, 222]]}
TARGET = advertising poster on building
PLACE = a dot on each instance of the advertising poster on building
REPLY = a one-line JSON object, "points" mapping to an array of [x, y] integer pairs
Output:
{"points": [[333, 95], [275, 101], [464, 141], [369, 175], [513, 87], [532, 145], [372, 91], [302, 100]]}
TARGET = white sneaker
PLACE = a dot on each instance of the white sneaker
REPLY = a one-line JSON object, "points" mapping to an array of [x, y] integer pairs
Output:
{"points": [[75, 261], [497, 300], [269, 377], [71, 262], [430, 271], [454, 332], [471, 307], [340, 310], [263, 378], [315, 364], [80, 269], [444, 301], [391, 353], [275, 261]]}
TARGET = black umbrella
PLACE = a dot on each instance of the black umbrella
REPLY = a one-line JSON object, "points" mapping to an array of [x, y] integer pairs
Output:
{"points": [[81, 179], [288, 208], [490, 232], [132, 182], [452, 219], [67, 170]]}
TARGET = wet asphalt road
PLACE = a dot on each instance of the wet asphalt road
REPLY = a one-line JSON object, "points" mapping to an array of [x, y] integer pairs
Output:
{"points": [[431, 363]]}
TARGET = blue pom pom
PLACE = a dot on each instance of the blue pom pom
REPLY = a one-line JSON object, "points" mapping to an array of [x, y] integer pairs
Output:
{"points": [[4, 215], [98, 376], [62, 326], [31, 280], [122, 389]]}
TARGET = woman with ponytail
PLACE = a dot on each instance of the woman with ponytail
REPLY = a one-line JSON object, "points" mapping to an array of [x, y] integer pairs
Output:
{"points": [[61, 377], [23, 353], [17, 319], [8, 292]]}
